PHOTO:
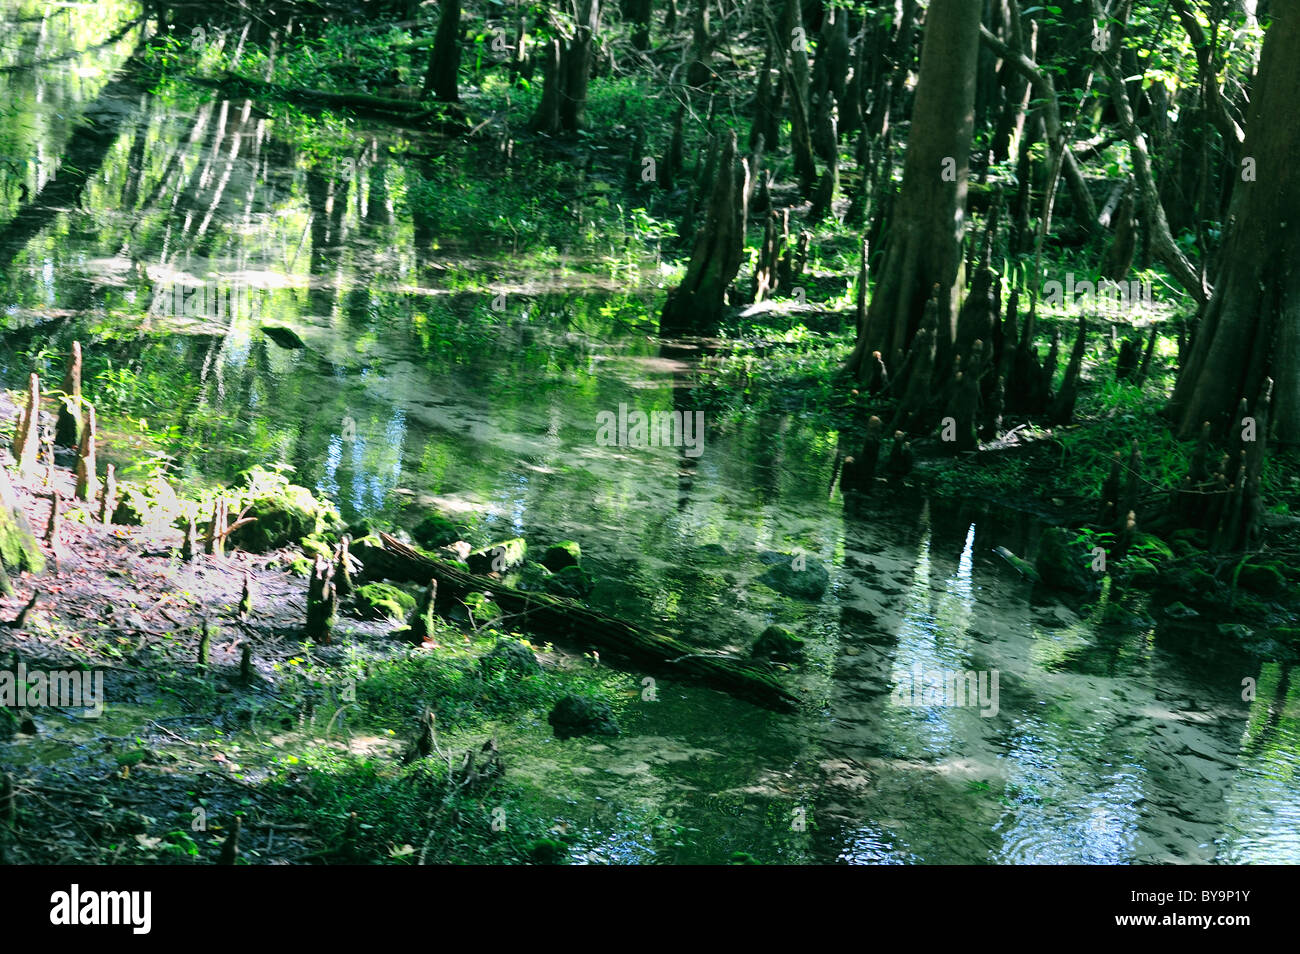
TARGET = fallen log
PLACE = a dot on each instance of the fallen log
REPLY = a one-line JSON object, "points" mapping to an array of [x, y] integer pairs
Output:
{"points": [[559, 618], [391, 109]]}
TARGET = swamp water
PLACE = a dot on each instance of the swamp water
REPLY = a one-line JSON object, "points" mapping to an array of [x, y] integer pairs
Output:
{"points": [[439, 362]]}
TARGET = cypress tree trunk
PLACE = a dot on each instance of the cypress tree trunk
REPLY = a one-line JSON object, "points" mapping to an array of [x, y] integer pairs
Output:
{"points": [[698, 301], [923, 252], [67, 432], [445, 63], [577, 66], [1249, 330], [637, 13]]}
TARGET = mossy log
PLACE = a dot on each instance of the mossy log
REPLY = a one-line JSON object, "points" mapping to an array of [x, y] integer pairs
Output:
{"points": [[559, 618], [391, 109]]}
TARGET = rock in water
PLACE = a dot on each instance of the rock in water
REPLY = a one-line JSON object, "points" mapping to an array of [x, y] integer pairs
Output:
{"points": [[499, 557], [802, 577], [284, 337], [564, 554], [435, 531], [574, 716], [1063, 565], [778, 645]]}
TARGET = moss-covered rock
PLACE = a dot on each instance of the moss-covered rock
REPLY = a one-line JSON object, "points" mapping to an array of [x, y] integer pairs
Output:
{"points": [[498, 557], [482, 609], [575, 716], [1180, 611], [1064, 564], [1262, 578], [510, 655], [435, 531], [1192, 581], [285, 514], [802, 577], [384, 601], [564, 554], [314, 547], [778, 645], [531, 577]]}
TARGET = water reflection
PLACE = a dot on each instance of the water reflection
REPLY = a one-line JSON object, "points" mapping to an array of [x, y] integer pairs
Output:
{"points": [[411, 390]]}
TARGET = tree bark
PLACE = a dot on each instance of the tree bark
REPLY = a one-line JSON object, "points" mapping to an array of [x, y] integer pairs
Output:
{"points": [[444, 66], [698, 301], [924, 245], [1249, 330]]}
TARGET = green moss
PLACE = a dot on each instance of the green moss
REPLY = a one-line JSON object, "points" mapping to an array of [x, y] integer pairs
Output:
{"points": [[483, 610], [384, 601], [572, 581], [284, 513], [532, 577], [1022, 566], [510, 655], [575, 716], [18, 547], [317, 548], [779, 645], [564, 554], [1261, 578], [435, 531], [498, 557]]}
